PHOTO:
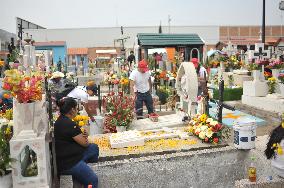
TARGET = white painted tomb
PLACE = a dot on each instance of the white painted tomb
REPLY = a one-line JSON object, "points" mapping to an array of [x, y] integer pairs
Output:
{"points": [[29, 145]]}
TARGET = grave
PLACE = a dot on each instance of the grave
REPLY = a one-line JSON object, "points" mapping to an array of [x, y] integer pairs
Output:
{"points": [[30, 145], [187, 87], [255, 93]]}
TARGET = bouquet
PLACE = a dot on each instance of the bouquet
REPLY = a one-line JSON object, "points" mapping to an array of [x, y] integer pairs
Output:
{"points": [[25, 88], [271, 85], [281, 78], [206, 129], [275, 64], [119, 110]]}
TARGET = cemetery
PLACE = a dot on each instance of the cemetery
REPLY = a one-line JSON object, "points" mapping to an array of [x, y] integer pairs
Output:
{"points": [[168, 113]]}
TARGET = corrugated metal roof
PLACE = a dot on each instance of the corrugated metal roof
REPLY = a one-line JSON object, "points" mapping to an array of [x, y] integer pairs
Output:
{"points": [[77, 51], [155, 39]]}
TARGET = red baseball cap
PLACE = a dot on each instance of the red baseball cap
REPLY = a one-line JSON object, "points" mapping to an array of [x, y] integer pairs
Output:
{"points": [[195, 62], [143, 65]]}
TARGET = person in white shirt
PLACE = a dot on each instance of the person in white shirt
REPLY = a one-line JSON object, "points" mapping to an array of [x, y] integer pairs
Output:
{"points": [[141, 85], [201, 74], [274, 150], [82, 94]]}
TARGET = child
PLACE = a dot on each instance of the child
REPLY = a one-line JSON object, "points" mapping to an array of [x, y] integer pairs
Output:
{"points": [[274, 149]]}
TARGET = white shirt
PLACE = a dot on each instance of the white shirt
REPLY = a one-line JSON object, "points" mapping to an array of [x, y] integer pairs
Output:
{"points": [[278, 162], [141, 81], [79, 93], [202, 72]]}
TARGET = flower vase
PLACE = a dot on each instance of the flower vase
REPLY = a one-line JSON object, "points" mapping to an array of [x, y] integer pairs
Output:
{"points": [[120, 128], [256, 75], [6, 181], [275, 73]]}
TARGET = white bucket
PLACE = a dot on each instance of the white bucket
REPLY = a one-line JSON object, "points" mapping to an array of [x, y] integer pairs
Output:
{"points": [[97, 126], [244, 134]]}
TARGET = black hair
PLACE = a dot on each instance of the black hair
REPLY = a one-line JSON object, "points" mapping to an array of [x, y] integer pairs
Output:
{"points": [[66, 104], [276, 136], [131, 52], [93, 88]]}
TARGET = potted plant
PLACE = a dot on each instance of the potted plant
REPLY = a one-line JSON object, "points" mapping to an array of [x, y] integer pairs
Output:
{"points": [[5, 160], [271, 85], [281, 84], [119, 111], [275, 66]]}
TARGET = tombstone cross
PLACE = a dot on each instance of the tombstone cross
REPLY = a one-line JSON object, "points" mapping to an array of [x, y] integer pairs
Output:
{"points": [[220, 103]]}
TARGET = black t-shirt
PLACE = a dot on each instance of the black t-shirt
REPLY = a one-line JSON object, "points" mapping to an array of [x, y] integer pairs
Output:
{"points": [[68, 151]]}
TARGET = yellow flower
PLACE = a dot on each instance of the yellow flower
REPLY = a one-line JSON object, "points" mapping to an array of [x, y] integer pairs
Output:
{"points": [[274, 145], [203, 118], [282, 125], [81, 123], [279, 149]]}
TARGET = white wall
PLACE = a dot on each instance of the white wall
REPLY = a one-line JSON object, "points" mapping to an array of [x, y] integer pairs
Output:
{"points": [[104, 37]]}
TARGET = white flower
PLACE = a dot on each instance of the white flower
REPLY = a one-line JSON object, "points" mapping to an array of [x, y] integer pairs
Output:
{"points": [[202, 135], [209, 120], [203, 128], [209, 133], [214, 123]]}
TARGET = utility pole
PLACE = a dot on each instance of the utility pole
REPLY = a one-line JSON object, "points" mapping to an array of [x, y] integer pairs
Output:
{"points": [[169, 22], [263, 22]]}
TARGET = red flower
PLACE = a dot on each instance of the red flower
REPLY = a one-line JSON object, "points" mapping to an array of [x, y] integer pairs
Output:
{"points": [[216, 140], [206, 139]]}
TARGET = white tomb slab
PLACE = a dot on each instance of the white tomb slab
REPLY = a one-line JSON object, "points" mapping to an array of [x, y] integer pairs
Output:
{"points": [[239, 79], [264, 103], [255, 88], [172, 120]]}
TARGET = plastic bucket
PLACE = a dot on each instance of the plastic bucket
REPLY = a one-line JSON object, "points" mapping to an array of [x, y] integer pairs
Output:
{"points": [[97, 126], [244, 135]]}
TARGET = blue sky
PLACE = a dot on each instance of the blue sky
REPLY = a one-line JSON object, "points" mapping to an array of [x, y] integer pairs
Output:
{"points": [[110, 13]]}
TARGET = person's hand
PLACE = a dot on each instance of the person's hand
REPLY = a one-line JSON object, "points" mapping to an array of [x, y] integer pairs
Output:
{"points": [[85, 134]]}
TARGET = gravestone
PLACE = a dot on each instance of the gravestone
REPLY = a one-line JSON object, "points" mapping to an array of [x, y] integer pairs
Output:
{"points": [[29, 145], [187, 87]]}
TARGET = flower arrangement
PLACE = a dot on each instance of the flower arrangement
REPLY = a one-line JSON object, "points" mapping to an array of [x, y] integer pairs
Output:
{"points": [[214, 64], [119, 110], [267, 75], [81, 120], [271, 85], [2, 63], [8, 114], [23, 87], [281, 78], [206, 129], [275, 64], [6, 134]]}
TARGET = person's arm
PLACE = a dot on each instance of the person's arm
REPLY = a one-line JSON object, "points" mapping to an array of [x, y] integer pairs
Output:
{"points": [[132, 92], [82, 139], [88, 112], [150, 84]]}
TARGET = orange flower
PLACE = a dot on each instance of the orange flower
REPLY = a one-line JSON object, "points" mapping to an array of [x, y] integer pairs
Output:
{"points": [[6, 96]]}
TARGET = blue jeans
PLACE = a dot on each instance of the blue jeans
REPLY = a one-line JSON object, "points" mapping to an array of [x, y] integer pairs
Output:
{"points": [[81, 171], [147, 99]]}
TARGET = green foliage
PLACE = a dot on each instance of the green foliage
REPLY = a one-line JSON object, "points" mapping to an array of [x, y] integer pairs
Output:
{"points": [[13, 56], [230, 94], [163, 93], [5, 159]]}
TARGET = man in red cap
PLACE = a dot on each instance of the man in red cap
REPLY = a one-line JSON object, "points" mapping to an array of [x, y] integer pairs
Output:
{"points": [[141, 86]]}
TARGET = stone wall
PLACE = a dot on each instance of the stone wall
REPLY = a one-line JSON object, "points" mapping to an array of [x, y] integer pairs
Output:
{"points": [[219, 167]]}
